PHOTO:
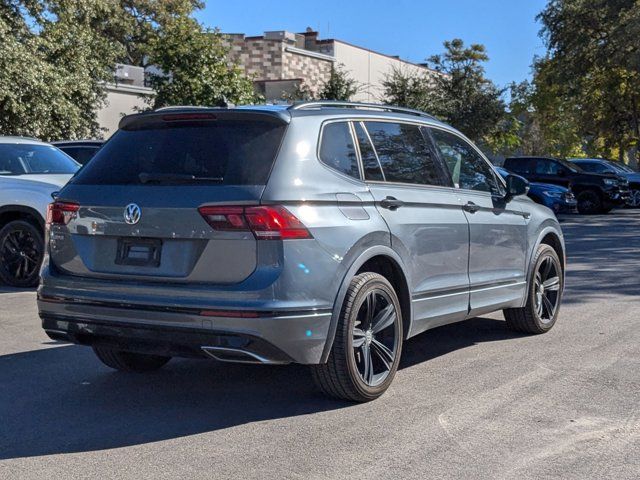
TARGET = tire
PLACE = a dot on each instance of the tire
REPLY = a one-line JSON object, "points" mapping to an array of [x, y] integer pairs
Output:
{"points": [[589, 202], [129, 361], [21, 254], [344, 374], [530, 318], [634, 201]]}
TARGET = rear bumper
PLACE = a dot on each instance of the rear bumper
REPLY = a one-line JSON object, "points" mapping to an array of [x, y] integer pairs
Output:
{"points": [[270, 337]]}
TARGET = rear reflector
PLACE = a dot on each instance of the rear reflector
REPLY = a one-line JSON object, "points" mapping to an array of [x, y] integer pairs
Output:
{"points": [[61, 213], [273, 222]]}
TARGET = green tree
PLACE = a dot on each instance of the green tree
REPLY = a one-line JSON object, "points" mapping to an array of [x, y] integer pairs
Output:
{"points": [[339, 86], [52, 67], [593, 69], [462, 95], [458, 93], [407, 88], [194, 67]]}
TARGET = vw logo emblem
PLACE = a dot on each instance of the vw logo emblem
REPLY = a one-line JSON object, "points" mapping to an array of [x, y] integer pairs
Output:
{"points": [[132, 214]]}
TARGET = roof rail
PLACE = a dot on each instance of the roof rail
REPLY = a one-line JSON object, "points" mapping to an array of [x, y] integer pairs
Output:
{"points": [[358, 105]]}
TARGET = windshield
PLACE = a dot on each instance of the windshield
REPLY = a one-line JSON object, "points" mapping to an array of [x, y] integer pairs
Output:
{"points": [[621, 167], [571, 166], [222, 152], [23, 159]]}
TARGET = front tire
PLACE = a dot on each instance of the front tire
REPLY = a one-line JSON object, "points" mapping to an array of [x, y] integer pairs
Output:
{"points": [[366, 350], [129, 361], [21, 254], [589, 202], [540, 313]]}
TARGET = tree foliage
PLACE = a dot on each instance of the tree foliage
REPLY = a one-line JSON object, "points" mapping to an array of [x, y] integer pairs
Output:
{"points": [[459, 94], [52, 67], [339, 86], [591, 74], [56, 57], [199, 72]]}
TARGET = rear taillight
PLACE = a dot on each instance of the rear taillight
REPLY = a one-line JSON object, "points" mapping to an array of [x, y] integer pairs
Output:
{"points": [[61, 213], [272, 222]]}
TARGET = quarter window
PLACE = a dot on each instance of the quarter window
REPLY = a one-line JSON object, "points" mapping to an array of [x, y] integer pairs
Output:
{"points": [[467, 167], [337, 149], [404, 154]]}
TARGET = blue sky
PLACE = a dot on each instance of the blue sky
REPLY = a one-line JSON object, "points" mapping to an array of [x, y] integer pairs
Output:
{"points": [[412, 29]]}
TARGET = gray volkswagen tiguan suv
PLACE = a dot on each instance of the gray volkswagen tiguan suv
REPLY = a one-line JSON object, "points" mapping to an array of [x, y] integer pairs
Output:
{"points": [[323, 233]]}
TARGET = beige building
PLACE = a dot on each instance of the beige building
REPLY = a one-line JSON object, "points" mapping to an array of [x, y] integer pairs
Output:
{"points": [[125, 96], [281, 60], [278, 61]]}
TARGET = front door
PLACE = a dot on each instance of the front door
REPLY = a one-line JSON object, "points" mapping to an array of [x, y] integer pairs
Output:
{"points": [[421, 208], [548, 170], [497, 230]]}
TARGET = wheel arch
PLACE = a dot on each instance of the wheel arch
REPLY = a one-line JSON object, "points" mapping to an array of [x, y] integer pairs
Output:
{"points": [[386, 262], [549, 235], [9, 213]]}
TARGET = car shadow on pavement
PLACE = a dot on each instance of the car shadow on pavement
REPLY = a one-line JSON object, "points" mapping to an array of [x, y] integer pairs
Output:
{"points": [[603, 256], [7, 289], [62, 400]]}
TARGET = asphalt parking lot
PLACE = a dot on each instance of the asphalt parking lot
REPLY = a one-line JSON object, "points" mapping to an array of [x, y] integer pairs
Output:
{"points": [[471, 400]]}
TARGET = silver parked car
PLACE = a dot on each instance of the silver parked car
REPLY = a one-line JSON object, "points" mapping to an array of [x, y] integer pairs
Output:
{"points": [[324, 233], [30, 171]]}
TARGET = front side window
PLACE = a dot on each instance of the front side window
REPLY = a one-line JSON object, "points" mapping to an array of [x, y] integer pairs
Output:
{"points": [[468, 169], [549, 167], [404, 154], [337, 149]]}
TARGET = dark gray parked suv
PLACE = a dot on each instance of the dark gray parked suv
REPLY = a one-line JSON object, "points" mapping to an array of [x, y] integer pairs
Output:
{"points": [[321, 233]]}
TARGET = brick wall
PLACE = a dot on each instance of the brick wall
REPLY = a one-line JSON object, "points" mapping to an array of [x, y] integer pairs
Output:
{"points": [[269, 60]]}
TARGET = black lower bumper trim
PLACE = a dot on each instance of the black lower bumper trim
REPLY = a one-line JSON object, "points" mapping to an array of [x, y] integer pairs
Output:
{"points": [[172, 342]]}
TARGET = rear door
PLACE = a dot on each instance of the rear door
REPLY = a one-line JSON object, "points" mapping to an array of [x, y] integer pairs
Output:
{"points": [[498, 230], [428, 228], [138, 199]]}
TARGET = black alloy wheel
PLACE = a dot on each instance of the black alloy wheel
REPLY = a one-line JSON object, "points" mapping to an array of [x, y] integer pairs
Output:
{"points": [[21, 253]]}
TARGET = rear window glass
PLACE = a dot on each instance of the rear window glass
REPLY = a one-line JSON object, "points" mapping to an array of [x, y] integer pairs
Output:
{"points": [[404, 154], [337, 149], [223, 151]]}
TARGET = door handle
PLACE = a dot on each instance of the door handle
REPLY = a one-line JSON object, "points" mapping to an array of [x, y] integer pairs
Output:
{"points": [[391, 203], [471, 207]]}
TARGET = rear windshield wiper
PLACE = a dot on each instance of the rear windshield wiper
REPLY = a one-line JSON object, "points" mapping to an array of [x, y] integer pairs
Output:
{"points": [[146, 177]]}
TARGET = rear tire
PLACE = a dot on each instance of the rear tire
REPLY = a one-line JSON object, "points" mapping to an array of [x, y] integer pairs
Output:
{"points": [[589, 202], [21, 254], [368, 340], [129, 361], [540, 315]]}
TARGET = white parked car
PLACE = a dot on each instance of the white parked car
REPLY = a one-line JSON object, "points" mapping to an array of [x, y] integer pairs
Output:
{"points": [[30, 171]]}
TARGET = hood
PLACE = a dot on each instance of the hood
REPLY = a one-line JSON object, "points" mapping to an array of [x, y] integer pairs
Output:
{"points": [[548, 187], [54, 180]]}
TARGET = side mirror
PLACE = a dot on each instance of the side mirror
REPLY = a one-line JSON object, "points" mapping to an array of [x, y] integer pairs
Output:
{"points": [[516, 185], [562, 172]]}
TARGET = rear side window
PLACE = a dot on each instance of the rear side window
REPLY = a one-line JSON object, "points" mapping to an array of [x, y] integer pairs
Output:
{"points": [[520, 166], [223, 151], [372, 170], [404, 154], [337, 149]]}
